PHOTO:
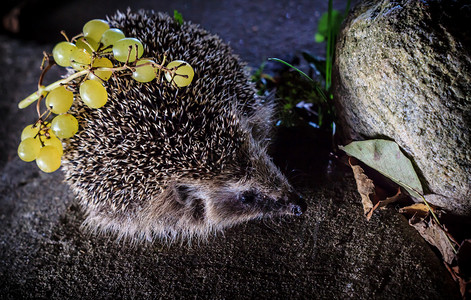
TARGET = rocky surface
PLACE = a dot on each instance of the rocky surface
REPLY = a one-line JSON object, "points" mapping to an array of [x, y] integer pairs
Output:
{"points": [[403, 72], [330, 252]]}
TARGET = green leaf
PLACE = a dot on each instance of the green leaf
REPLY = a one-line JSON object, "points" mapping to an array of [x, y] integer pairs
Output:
{"points": [[323, 25], [319, 38], [385, 157], [178, 17], [291, 66]]}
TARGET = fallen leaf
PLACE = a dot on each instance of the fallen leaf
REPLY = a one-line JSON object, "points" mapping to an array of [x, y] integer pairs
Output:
{"points": [[453, 272], [385, 157], [370, 193], [435, 235], [419, 209], [461, 272], [366, 188], [370, 214], [399, 195], [465, 285]]}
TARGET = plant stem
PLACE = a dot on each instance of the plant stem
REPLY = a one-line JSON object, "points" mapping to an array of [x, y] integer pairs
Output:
{"points": [[291, 66], [347, 9], [329, 50]]}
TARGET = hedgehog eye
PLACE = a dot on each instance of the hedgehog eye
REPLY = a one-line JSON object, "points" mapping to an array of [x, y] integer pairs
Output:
{"points": [[248, 197]]}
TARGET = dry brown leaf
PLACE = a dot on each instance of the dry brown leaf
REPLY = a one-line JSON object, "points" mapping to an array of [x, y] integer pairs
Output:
{"points": [[370, 193], [370, 213], [465, 285], [420, 210], [399, 195], [434, 235], [453, 271], [465, 288], [366, 188]]}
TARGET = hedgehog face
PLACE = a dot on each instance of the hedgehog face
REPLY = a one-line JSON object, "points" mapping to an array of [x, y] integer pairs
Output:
{"points": [[247, 204], [248, 188], [226, 204]]}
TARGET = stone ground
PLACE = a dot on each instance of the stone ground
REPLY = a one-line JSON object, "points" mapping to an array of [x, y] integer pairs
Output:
{"points": [[330, 252]]}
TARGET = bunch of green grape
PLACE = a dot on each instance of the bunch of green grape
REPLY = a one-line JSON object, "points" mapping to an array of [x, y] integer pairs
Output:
{"points": [[95, 55]]}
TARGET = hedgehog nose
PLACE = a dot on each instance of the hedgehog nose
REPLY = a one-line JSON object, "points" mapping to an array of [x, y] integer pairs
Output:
{"points": [[297, 204]]}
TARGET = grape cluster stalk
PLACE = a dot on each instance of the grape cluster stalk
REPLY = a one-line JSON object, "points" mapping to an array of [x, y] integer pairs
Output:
{"points": [[98, 53]]}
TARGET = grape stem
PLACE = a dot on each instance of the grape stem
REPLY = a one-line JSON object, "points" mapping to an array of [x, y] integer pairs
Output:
{"points": [[160, 67], [41, 79], [42, 90], [36, 95], [65, 35], [76, 37]]}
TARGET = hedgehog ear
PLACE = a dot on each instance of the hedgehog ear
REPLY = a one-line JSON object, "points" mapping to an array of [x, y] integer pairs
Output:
{"points": [[261, 118]]}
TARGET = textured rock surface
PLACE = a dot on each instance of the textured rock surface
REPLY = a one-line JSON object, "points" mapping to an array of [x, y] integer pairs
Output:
{"points": [[403, 71]]}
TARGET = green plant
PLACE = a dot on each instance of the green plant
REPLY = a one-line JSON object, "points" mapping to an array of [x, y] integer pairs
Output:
{"points": [[178, 17], [327, 31]]}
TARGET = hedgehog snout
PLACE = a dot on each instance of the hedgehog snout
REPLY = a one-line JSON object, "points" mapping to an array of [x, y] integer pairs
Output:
{"points": [[291, 203], [296, 204]]}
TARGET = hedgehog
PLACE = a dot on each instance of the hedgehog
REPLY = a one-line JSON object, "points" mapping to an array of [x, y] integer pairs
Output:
{"points": [[166, 163]]}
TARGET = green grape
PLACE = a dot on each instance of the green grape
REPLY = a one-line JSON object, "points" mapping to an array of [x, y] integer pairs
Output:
{"points": [[145, 73], [60, 100], [93, 94], [101, 62], [121, 49], [49, 159], [62, 52], [80, 59], [55, 142], [111, 36], [28, 150], [184, 73], [90, 45], [29, 132], [94, 29], [64, 126]]}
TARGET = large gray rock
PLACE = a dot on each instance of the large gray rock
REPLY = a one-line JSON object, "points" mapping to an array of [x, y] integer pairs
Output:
{"points": [[403, 71]]}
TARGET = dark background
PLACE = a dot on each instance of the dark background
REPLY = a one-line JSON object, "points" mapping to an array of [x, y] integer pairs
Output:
{"points": [[255, 29]]}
